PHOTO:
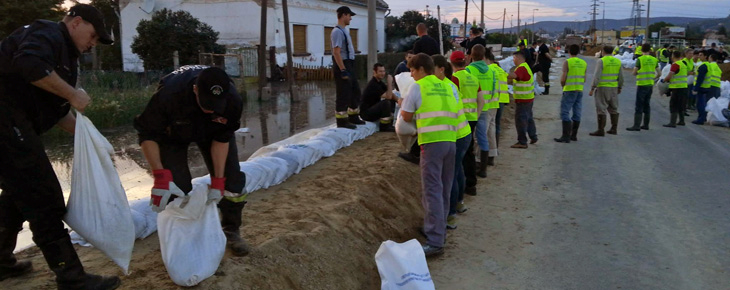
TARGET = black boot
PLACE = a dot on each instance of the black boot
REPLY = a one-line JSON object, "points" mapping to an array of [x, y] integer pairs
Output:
{"points": [[574, 132], [344, 123], [681, 119], [672, 121], [614, 125], [231, 223], [646, 121], [547, 90], [387, 127], [355, 119], [9, 266], [490, 161], [565, 138], [483, 157], [637, 123], [62, 259], [601, 125]]}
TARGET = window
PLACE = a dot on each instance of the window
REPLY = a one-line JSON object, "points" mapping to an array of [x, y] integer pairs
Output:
{"points": [[353, 35], [328, 40], [300, 40]]}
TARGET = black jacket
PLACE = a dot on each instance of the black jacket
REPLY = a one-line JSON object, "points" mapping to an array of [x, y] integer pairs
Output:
{"points": [[469, 43], [174, 116], [29, 54], [426, 44]]}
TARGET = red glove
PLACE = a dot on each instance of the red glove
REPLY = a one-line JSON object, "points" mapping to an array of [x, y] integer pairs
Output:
{"points": [[217, 188], [163, 190]]}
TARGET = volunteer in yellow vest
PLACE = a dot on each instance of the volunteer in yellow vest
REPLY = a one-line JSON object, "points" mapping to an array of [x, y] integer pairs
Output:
{"points": [[503, 90], [646, 72], [701, 87], [463, 137], [572, 80], [637, 51], [715, 77], [607, 83], [524, 94], [468, 85], [487, 84], [663, 55], [615, 50], [677, 80], [431, 103]]}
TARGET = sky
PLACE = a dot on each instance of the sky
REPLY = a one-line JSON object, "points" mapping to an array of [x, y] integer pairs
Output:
{"points": [[559, 10]]}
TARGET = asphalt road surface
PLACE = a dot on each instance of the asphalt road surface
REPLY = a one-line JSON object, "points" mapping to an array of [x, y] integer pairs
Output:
{"points": [[640, 210]]}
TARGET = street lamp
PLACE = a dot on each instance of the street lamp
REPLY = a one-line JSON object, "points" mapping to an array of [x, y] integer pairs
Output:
{"points": [[533, 24]]}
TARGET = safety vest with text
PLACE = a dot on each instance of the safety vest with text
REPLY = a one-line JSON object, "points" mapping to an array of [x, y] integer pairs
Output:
{"points": [[647, 72], [576, 75], [468, 87], [486, 86], [715, 80], [524, 90], [706, 82], [462, 129], [679, 80], [503, 86], [437, 117], [609, 74]]}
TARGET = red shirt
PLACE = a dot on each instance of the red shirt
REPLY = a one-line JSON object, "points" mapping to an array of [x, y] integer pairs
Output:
{"points": [[675, 68], [523, 76]]}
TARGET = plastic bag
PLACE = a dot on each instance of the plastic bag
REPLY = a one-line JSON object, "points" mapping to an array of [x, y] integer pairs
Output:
{"points": [[403, 266], [404, 81], [97, 207], [192, 242]]}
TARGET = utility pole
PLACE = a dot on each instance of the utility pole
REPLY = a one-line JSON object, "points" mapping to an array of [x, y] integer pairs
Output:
{"points": [[482, 13], [532, 36], [441, 36], [646, 32], [466, 17], [289, 62], [504, 16], [603, 25], [372, 38], [518, 19], [262, 49], [593, 22]]}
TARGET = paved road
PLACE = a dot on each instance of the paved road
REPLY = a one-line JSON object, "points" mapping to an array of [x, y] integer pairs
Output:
{"points": [[646, 210]]}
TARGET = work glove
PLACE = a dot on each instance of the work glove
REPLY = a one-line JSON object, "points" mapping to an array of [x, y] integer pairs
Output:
{"points": [[164, 190], [216, 190], [345, 74]]}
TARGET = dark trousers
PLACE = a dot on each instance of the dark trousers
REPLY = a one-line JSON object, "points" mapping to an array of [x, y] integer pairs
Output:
{"points": [[677, 102], [30, 190], [643, 96], [174, 157], [544, 68], [348, 91], [382, 109], [470, 163], [498, 118], [524, 123], [701, 98]]}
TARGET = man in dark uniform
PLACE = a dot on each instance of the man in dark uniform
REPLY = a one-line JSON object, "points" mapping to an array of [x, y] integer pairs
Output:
{"points": [[425, 43], [544, 61], [343, 64], [378, 100], [196, 104], [38, 72]]}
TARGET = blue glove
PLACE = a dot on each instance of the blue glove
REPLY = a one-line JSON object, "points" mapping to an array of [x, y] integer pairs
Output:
{"points": [[345, 74]]}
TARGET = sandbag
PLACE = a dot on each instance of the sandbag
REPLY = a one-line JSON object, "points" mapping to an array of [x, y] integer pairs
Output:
{"points": [[97, 206], [192, 242], [404, 81], [403, 266], [145, 219]]}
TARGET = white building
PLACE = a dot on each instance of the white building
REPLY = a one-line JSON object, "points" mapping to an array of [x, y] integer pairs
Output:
{"points": [[238, 22]]}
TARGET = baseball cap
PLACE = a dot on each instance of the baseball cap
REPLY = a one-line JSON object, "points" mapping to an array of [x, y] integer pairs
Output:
{"points": [[92, 15], [457, 56], [213, 89], [345, 9]]}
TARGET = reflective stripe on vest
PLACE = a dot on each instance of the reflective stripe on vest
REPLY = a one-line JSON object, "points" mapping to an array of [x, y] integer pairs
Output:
{"points": [[576, 75], [646, 73], [468, 87], [706, 81], [660, 54], [502, 85], [609, 74], [524, 89], [486, 86], [715, 81], [436, 118], [679, 80], [463, 129]]}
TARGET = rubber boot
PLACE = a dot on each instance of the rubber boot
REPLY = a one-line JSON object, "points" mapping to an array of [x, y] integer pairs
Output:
{"points": [[614, 125], [672, 121], [637, 123], [355, 119], [9, 265], [344, 123], [231, 223], [601, 125], [574, 133], [63, 260], [483, 157], [565, 138], [387, 127], [681, 119], [490, 161], [647, 118]]}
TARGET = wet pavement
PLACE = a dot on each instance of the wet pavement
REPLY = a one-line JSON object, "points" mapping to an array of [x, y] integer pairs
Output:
{"points": [[273, 119]]}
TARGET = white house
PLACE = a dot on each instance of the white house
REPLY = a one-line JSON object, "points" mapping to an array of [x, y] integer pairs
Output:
{"points": [[238, 22]]}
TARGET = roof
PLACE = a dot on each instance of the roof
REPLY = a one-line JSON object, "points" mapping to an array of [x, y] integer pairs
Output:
{"points": [[380, 4]]}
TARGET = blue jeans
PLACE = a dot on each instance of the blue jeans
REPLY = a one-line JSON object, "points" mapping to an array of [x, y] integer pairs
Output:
{"points": [[643, 96], [524, 123], [571, 100], [459, 185], [481, 132], [701, 103]]}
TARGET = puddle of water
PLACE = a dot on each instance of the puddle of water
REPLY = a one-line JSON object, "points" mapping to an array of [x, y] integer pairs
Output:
{"points": [[269, 121]]}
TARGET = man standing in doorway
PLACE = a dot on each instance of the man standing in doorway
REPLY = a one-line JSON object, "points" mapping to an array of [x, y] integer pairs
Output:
{"points": [[607, 83], [645, 72], [347, 102]]}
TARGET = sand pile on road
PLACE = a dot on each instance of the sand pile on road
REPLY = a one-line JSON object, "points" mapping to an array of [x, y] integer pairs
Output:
{"points": [[318, 230]]}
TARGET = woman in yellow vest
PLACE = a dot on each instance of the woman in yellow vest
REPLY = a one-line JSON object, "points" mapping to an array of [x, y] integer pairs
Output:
{"points": [[607, 83], [701, 87], [431, 103], [715, 77], [677, 80], [524, 94], [572, 80], [645, 72]]}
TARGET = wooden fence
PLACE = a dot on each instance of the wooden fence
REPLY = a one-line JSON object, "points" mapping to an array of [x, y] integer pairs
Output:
{"points": [[312, 73]]}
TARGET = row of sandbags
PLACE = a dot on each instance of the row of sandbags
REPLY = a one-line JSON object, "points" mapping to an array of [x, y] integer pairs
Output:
{"points": [[717, 109]]}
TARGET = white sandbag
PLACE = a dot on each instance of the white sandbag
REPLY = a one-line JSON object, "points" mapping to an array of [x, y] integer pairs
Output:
{"points": [[324, 146], [97, 206], [690, 79], [665, 71], [145, 219], [507, 64], [404, 81], [191, 238], [293, 163], [403, 266], [536, 87], [256, 175], [725, 89], [280, 167], [342, 141], [714, 109], [662, 87], [295, 139]]}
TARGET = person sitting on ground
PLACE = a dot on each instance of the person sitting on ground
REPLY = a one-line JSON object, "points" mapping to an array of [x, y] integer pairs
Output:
{"points": [[403, 65], [524, 94], [677, 80], [378, 100], [434, 108]]}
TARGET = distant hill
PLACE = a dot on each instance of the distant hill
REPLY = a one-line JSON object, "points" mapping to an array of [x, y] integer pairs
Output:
{"points": [[559, 26]]}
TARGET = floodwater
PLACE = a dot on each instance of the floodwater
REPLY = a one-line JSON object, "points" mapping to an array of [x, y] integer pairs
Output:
{"points": [[273, 119]]}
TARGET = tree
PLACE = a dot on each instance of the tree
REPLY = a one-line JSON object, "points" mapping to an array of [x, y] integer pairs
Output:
{"points": [[400, 32], [170, 31], [656, 27], [17, 13], [110, 56], [722, 30], [507, 40]]}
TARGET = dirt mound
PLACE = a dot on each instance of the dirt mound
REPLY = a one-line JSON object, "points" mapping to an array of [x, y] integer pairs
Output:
{"points": [[592, 51], [318, 230]]}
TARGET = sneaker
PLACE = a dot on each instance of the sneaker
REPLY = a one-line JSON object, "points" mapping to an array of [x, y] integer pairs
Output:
{"points": [[519, 146], [451, 222], [410, 158], [431, 251], [461, 207]]}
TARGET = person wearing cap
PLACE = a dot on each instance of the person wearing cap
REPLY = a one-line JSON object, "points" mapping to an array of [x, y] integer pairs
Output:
{"points": [[38, 73], [196, 104], [347, 103]]}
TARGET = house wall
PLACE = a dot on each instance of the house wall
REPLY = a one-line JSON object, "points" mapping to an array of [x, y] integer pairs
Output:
{"points": [[238, 22]]}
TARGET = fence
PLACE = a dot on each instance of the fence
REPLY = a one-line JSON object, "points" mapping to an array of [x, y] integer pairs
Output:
{"points": [[312, 73], [241, 62]]}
